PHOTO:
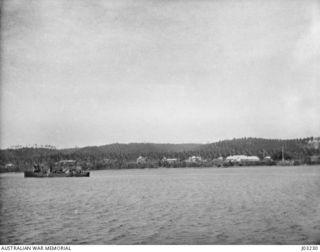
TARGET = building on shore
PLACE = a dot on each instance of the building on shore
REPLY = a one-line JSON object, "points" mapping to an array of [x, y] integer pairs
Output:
{"points": [[141, 160], [194, 159], [165, 160], [242, 159], [9, 166], [314, 143]]}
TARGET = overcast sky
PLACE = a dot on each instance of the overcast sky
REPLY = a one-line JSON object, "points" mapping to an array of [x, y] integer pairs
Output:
{"points": [[92, 72]]}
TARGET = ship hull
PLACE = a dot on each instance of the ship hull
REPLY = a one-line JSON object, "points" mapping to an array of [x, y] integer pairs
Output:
{"points": [[30, 174]]}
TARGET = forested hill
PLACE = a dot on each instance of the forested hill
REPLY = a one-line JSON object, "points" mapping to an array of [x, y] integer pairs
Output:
{"points": [[294, 148], [297, 149]]}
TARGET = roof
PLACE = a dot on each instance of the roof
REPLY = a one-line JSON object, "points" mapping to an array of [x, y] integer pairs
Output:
{"points": [[242, 158], [67, 161]]}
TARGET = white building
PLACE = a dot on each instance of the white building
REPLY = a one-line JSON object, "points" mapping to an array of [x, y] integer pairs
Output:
{"points": [[242, 158], [9, 165], [169, 160], [141, 160], [315, 143], [194, 159]]}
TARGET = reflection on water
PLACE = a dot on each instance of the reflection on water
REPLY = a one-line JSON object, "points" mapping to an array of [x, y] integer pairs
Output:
{"points": [[248, 205]]}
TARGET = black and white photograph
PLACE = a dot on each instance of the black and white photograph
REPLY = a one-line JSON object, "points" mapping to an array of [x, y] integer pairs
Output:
{"points": [[159, 122]]}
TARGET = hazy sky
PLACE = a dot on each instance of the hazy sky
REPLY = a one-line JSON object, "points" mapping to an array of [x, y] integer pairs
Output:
{"points": [[92, 72]]}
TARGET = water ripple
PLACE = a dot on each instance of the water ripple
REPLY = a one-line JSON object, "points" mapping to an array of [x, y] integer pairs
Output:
{"points": [[266, 205]]}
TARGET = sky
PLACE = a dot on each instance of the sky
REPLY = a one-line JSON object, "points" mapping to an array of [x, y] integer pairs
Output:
{"points": [[94, 72]]}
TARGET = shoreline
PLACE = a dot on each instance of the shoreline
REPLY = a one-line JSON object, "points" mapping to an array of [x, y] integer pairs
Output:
{"points": [[189, 167]]}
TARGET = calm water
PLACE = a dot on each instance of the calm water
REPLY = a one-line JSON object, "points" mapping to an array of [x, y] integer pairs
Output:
{"points": [[249, 205]]}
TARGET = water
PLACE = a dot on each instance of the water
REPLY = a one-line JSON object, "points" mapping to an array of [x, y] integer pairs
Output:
{"points": [[247, 205]]}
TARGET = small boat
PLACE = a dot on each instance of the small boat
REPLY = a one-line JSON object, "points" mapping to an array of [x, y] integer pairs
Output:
{"points": [[63, 168], [31, 174]]}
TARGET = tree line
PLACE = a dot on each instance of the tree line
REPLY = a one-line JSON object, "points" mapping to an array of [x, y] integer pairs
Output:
{"points": [[124, 155]]}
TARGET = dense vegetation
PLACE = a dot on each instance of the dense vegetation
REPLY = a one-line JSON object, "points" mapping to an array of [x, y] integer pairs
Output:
{"points": [[125, 155]]}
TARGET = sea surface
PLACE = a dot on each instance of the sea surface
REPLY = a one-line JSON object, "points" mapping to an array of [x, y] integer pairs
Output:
{"points": [[243, 205]]}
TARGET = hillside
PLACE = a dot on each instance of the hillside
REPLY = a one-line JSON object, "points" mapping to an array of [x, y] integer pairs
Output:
{"points": [[295, 149]]}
